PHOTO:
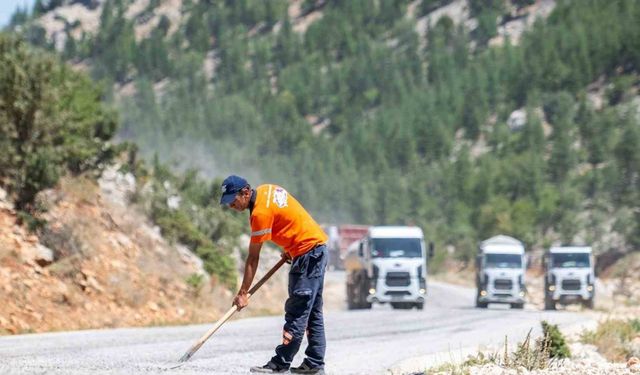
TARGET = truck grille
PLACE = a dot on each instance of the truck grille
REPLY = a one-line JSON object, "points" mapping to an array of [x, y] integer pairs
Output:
{"points": [[502, 295], [397, 293], [503, 284], [571, 284], [398, 279]]}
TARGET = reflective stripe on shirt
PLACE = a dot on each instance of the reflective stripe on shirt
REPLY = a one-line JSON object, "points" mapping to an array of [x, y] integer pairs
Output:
{"points": [[261, 232]]}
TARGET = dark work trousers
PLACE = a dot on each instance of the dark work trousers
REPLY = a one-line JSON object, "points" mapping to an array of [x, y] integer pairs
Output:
{"points": [[303, 310]]}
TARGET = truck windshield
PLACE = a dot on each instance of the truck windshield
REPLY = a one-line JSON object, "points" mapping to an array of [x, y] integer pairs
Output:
{"points": [[568, 260], [396, 248], [503, 261]]}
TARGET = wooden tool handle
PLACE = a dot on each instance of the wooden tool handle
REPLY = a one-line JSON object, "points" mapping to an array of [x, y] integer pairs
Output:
{"points": [[229, 313]]}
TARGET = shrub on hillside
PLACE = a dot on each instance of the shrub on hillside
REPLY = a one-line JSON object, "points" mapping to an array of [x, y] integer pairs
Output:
{"points": [[186, 210], [216, 262], [178, 226], [52, 122], [196, 282]]}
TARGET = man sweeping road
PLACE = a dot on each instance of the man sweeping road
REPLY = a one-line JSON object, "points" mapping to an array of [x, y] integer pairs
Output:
{"points": [[276, 216]]}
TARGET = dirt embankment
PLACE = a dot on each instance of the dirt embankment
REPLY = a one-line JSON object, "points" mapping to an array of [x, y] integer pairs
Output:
{"points": [[101, 264]]}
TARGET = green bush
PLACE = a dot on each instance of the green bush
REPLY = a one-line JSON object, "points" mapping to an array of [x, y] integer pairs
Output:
{"points": [[196, 282], [198, 222], [619, 89], [177, 226], [52, 121], [218, 263], [635, 325], [33, 222], [554, 341]]}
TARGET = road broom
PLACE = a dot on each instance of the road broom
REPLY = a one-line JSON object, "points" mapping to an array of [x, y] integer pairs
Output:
{"points": [[226, 316]]}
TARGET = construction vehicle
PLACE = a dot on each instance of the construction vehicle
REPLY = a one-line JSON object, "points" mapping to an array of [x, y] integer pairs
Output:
{"points": [[388, 265], [340, 237], [569, 276], [500, 272]]}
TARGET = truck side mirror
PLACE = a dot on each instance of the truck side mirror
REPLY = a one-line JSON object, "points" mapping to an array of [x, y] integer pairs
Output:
{"points": [[361, 249], [431, 250]]}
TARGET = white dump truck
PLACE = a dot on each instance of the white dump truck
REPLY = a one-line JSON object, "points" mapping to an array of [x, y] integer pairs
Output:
{"points": [[569, 276], [500, 270], [389, 264]]}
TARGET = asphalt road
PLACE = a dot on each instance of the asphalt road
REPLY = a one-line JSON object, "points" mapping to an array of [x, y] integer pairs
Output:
{"points": [[359, 342]]}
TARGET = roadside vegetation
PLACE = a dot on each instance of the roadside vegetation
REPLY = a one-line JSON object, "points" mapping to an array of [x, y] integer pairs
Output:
{"points": [[616, 339], [54, 123], [187, 210], [530, 354]]}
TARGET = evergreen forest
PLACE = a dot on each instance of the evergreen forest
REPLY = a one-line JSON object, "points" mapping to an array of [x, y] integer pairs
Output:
{"points": [[365, 120]]}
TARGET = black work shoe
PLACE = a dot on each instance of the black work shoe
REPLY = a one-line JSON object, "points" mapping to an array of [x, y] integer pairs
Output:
{"points": [[269, 368], [304, 368]]}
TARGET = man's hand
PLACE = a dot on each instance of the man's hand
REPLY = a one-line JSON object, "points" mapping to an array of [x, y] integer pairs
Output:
{"points": [[250, 267], [241, 300]]}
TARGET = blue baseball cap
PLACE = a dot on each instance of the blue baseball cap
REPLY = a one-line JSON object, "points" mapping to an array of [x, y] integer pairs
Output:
{"points": [[230, 187]]}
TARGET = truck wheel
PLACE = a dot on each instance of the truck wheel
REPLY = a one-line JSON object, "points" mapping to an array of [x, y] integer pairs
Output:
{"points": [[481, 305], [588, 303], [350, 298], [517, 305], [549, 304], [363, 291], [420, 305]]}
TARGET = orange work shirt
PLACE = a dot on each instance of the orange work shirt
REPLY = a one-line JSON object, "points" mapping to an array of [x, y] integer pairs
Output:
{"points": [[277, 216]]}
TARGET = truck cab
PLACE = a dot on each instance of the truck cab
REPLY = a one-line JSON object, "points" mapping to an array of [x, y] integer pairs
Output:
{"points": [[388, 265], [569, 276], [500, 272]]}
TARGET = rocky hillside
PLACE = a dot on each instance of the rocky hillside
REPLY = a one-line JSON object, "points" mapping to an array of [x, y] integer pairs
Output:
{"points": [[517, 117], [76, 251], [484, 112], [99, 263]]}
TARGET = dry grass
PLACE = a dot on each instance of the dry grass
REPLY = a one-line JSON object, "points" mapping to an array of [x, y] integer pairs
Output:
{"points": [[453, 272], [82, 189], [614, 339], [453, 368], [529, 354]]}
